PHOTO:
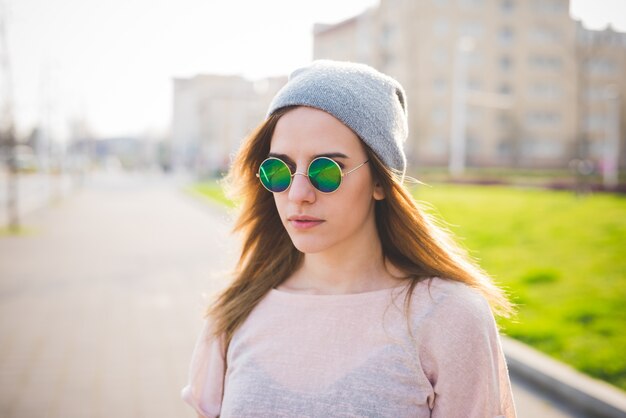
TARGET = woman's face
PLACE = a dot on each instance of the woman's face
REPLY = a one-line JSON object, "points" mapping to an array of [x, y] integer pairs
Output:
{"points": [[316, 221]]}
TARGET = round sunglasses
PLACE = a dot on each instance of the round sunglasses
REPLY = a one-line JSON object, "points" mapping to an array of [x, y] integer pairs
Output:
{"points": [[324, 173]]}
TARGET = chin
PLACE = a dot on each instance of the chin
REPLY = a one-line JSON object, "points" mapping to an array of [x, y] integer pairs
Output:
{"points": [[309, 245]]}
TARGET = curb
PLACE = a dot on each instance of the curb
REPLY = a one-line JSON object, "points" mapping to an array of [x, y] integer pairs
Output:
{"points": [[563, 382]]}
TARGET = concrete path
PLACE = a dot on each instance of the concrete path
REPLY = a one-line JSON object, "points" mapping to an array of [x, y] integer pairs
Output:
{"points": [[101, 305]]}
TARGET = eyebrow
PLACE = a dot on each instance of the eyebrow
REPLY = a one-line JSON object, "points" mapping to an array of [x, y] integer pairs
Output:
{"points": [[285, 157]]}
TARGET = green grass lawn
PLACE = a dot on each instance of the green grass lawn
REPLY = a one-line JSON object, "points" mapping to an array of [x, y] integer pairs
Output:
{"points": [[561, 257], [563, 260]]}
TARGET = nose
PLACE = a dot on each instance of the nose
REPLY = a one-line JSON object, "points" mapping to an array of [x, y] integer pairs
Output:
{"points": [[301, 189]]}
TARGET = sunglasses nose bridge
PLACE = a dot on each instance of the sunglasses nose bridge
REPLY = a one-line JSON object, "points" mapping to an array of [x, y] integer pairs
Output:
{"points": [[301, 189], [297, 173]]}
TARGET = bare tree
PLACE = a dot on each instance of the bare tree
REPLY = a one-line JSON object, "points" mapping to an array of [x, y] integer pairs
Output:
{"points": [[7, 126]]}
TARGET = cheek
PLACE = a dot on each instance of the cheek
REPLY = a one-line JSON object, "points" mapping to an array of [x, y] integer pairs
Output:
{"points": [[281, 203], [350, 207]]}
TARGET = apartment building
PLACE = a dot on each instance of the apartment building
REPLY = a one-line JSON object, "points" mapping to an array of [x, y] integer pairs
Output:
{"points": [[505, 73], [602, 79], [212, 114], [351, 39]]}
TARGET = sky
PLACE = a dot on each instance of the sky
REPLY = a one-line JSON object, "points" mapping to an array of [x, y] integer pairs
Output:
{"points": [[111, 63]]}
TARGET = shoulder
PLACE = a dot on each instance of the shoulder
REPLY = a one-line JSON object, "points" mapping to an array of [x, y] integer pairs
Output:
{"points": [[449, 302], [451, 320]]}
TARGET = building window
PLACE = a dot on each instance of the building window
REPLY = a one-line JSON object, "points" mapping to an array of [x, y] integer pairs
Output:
{"points": [[594, 122], [470, 3], [474, 115], [439, 56], [504, 147], [441, 27], [507, 6], [543, 35], [601, 66], [388, 58], [542, 147], [438, 145], [505, 89], [505, 121], [473, 145], [545, 62], [550, 6], [545, 91], [595, 93], [505, 36], [474, 59], [471, 29], [438, 115], [543, 119], [388, 35], [474, 85], [506, 63], [440, 86], [596, 148], [546, 147]]}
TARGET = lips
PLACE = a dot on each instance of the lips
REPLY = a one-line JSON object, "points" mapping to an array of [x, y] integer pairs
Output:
{"points": [[303, 222]]}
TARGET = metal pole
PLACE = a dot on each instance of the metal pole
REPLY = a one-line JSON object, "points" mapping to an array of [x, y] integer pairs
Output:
{"points": [[459, 107], [610, 158]]}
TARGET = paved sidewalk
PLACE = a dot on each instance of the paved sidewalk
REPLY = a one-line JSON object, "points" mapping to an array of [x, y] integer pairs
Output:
{"points": [[100, 307]]}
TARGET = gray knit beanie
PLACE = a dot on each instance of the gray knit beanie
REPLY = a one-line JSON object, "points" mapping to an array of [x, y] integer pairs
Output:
{"points": [[370, 103]]}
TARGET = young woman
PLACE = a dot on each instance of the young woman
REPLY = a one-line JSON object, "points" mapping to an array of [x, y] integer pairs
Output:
{"points": [[347, 300]]}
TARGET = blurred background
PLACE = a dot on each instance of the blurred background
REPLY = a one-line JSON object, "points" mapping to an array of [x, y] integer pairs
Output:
{"points": [[117, 119]]}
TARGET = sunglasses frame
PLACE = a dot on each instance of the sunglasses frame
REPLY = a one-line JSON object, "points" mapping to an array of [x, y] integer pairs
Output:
{"points": [[292, 175]]}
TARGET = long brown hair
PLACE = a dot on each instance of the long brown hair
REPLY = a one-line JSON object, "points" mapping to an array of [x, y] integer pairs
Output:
{"points": [[411, 240]]}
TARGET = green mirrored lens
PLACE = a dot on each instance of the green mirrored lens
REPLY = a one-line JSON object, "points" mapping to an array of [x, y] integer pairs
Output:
{"points": [[275, 175], [325, 174]]}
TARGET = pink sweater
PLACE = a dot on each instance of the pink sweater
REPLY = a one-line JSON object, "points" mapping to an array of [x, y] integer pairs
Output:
{"points": [[357, 355]]}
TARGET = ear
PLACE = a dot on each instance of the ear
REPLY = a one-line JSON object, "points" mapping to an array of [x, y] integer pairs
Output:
{"points": [[379, 193]]}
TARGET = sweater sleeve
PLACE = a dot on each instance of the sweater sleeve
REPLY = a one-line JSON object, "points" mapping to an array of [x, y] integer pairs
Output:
{"points": [[463, 359], [205, 382]]}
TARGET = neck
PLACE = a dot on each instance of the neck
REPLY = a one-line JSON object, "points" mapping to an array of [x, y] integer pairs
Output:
{"points": [[352, 268]]}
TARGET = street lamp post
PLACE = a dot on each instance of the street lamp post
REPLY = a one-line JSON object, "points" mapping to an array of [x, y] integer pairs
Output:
{"points": [[610, 154], [458, 139]]}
